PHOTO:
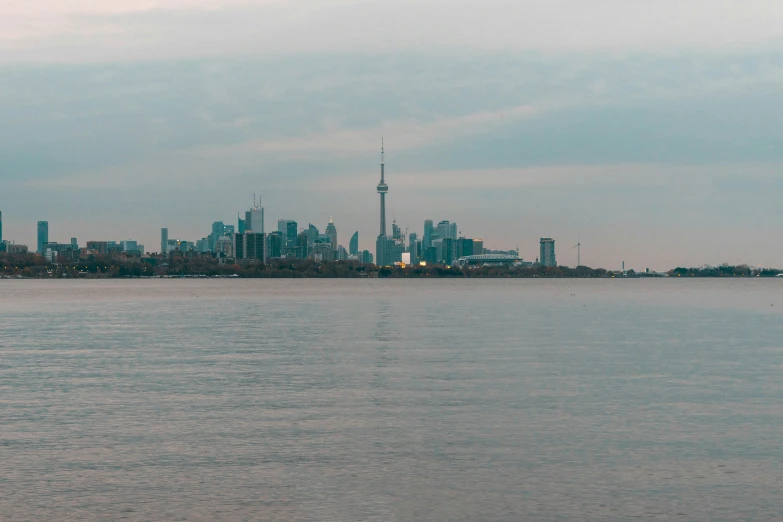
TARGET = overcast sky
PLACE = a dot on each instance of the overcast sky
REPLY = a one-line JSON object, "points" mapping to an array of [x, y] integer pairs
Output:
{"points": [[653, 131]]}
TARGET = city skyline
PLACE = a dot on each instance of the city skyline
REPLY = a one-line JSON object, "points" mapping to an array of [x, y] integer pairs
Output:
{"points": [[650, 139]]}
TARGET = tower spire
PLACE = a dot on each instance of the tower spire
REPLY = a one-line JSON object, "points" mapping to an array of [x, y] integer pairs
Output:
{"points": [[382, 190]]}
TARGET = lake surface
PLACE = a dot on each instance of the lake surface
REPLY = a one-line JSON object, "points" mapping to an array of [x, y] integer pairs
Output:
{"points": [[399, 400]]}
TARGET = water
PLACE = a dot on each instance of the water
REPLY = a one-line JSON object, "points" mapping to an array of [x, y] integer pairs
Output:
{"points": [[391, 400]]}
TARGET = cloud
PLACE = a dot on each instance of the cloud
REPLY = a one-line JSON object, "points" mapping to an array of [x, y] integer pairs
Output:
{"points": [[404, 135], [85, 31]]}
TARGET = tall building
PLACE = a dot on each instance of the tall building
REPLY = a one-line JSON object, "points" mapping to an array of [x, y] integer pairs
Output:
{"points": [[224, 247], [453, 231], [396, 231], [413, 247], [444, 229], [464, 247], [164, 241], [303, 244], [426, 241], [547, 252], [2, 245], [43, 236], [384, 245], [353, 246], [449, 252], [74, 243], [241, 224], [312, 234], [254, 221], [275, 244], [288, 228], [249, 245], [322, 252], [478, 247], [331, 231]]}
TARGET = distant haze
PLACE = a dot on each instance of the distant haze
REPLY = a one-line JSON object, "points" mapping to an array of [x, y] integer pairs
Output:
{"points": [[651, 131]]}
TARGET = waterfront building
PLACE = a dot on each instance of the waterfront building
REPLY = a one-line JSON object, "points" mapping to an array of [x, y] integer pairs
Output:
{"points": [[353, 246], [478, 247], [547, 254], [366, 257], [43, 236], [413, 247], [2, 243], [164, 241]]}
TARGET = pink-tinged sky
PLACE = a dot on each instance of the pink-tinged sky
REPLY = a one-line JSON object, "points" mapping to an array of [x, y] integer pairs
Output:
{"points": [[650, 130]]}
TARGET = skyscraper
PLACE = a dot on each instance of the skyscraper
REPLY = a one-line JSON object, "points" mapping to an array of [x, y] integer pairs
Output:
{"points": [[413, 247], [547, 257], [2, 245], [288, 228], [331, 231], [426, 241], [303, 244], [312, 234], [275, 244], [464, 247], [218, 229], [241, 224], [164, 241], [444, 229], [453, 231], [449, 250], [353, 246], [43, 236], [249, 245]]}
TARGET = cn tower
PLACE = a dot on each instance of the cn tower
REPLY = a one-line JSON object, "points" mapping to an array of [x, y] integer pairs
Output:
{"points": [[383, 188]]}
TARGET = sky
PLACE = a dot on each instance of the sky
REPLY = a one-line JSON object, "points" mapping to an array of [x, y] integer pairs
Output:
{"points": [[651, 132]]}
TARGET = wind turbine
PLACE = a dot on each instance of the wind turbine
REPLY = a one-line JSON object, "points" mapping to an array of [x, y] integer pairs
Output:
{"points": [[578, 247]]}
